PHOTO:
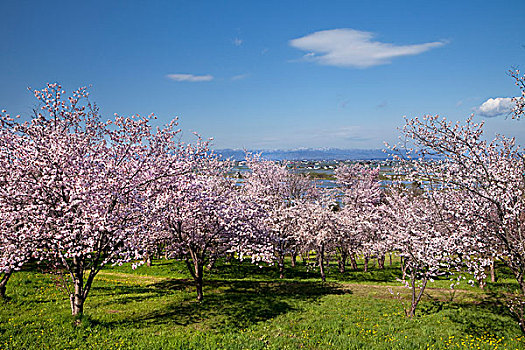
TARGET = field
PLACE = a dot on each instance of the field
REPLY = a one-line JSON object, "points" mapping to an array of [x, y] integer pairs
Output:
{"points": [[248, 307]]}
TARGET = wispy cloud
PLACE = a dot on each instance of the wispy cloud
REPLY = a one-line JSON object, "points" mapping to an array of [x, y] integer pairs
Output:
{"points": [[383, 104], [237, 42], [344, 103], [348, 133], [354, 48], [240, 77], [494, 107], [190, 77]]}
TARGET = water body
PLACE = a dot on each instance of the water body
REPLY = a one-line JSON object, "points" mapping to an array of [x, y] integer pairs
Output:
{"points": [[322, 172]]}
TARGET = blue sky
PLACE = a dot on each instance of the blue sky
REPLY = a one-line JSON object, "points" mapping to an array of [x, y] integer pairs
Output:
{"points": [[271, 74]]}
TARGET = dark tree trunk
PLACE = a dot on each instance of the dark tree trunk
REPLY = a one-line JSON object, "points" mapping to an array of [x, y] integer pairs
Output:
{"points": [[196, 269], [306, 258], [321, 262], [381, 261], [341, 261], [294, 258], [390, 257], [198, 285], [80, 290], [416, 297], [366, 258], [280, 262], [519, 278], [353, 261], [76, 298], [3, 283]]}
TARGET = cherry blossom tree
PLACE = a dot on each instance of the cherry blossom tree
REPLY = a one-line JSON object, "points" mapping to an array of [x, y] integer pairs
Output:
{"points": [[279, 191], [492, 173], [456, 158], [84, 182], [203, 215], [17, 234], [360, 213], [189, 159], [318, 225], [16, 247], [426, 235]]}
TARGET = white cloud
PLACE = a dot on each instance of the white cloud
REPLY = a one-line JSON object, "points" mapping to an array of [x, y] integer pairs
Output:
{"points": [[494, 107], [190, 77], [240, 77], [353, 48], [237, 42]]}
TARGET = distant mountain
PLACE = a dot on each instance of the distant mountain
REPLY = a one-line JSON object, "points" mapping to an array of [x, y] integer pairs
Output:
{"points": [[308, 154]]}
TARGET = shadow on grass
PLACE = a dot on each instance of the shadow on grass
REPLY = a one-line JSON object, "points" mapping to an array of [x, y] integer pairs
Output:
{"points": [[232, 304], [240, 270], [487, 315], [385, 275]]}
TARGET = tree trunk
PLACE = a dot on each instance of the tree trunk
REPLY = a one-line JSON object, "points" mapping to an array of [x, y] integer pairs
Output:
{"points": [[196, 269], [77, 300], [416, 297], [403, 268], [381, 261], [79, 295], [280, 262], [353, 261], [366, 263], [321, 262], [521, 282], [481, 283], [294, 258], [341, 261], [3, 283], [198, 287], [198, 278], [390, 257], [492, 272]]}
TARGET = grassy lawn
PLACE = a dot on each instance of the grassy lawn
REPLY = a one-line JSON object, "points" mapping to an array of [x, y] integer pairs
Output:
{"points": [[248, 307]]}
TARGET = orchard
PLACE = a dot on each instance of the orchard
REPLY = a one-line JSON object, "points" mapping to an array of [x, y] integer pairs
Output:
{"points": [[88, 205]]}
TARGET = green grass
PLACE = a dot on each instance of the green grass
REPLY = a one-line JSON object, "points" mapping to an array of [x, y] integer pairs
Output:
{"points": [[248, 307]]}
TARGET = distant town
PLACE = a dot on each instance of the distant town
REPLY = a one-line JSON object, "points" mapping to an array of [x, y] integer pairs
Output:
{"points": [[309, 154]]}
